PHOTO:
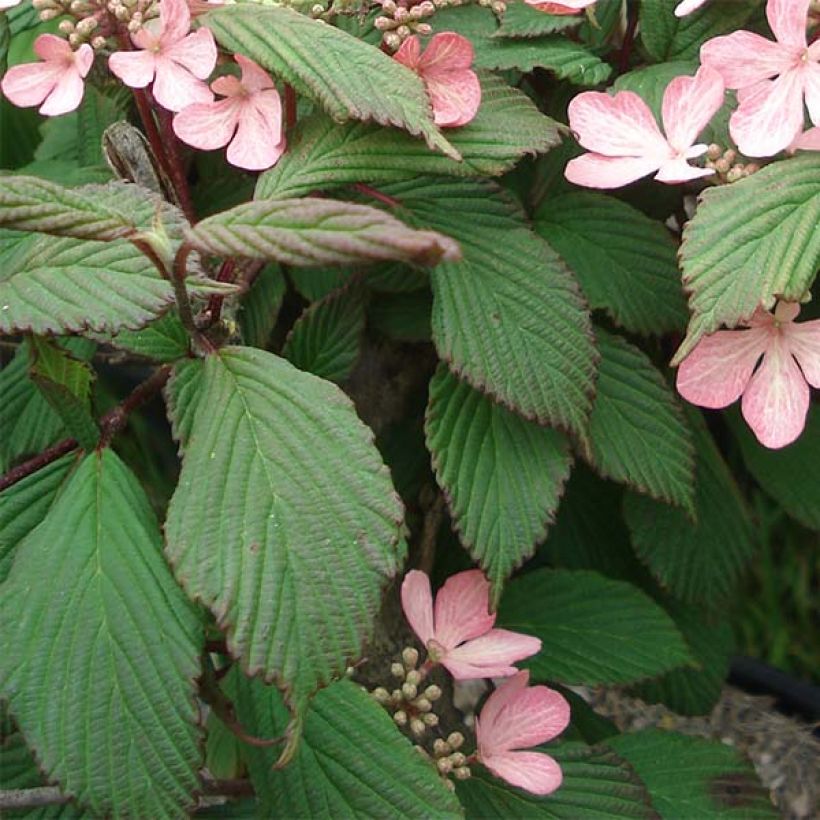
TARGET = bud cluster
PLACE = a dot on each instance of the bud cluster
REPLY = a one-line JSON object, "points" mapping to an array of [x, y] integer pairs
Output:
{"points": [[400, 20], [448, 759], [725, 165], [94, 20]]}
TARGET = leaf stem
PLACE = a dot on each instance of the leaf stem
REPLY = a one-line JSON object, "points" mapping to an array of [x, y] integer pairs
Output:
{"points": [[377, 195], [175, 164], [629, 36], [186, 314]]}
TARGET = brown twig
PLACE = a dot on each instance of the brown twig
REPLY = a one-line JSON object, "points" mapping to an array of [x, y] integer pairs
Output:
{"points": [[433, 516]]}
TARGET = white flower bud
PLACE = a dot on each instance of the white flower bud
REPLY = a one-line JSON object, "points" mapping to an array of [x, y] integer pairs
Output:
{"points": [[380, 695], [430, 719], [409, 691], [75, 40], [423, 28], [98, 43], [396, 696], [414, 677], [49, 14], [397, 671], [441, 747], [462, 773], [403, 32], [714, 151], [730, 155], [391, 40], [317, 9], [432, 692], [400, 14], [417, 727], [735, 173], [66, 26], [389, 6], [455, 740], [410, 656], [400, 717], [384, 23], [422, 704], [498, 7], [444, 765], [458, 759], [721, 166]]}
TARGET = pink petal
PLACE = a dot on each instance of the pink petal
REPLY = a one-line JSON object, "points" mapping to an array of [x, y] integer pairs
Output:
{"points": [[687, 7], [455, 97], [498, 649], [417, 603], [259, 141], [462, 608], [66, 95], [718, 370], [176, 88], [597, 171], [776, 401], [196, 53], [409, 52], [135, 68], [51, 48], [689, 103], [679, 170], [228, 86], [616, 126], [536, 772], [446, 52], [787, 19], [29, 84], [175, 18], [254, 77], [743, 58], [84, 59], [807, 141], [811, 83], [803, 341], [770, 116], [208, 125]]}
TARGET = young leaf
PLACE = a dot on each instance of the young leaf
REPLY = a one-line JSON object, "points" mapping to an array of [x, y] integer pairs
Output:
{"points": [[637, 431], [624, 261], [312, 231], [691, 777], [98, 664], [593, 630], [288, 543], [324, 155], [325, 340], [597, 783], [352, 761], [750, 242], [700, 561], [307, 54], [260, 306], [501, 474], [163, 340], [508, 317]]}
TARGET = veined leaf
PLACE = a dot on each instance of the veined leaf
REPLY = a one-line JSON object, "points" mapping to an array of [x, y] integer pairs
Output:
{"points": [[310, 54], [325, 340], [637, 431], [288, 543], [163, 340], [507, 317], [335, 772], [522, 20], [750, 242], [98, 664], [593, 630], [259, 308], [624, 261], [312, 231], [502, 475], [323, 154], [597, 784]]}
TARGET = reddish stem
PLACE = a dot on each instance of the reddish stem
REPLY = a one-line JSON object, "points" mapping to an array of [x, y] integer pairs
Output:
{"points": [[176, 167], [378, 195], [226, 274], [629, 37]]}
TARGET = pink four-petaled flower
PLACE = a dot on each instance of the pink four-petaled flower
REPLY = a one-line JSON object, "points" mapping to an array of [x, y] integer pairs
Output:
{"points": [[445, 68], [459, 632], [57, 82], [518, 717], [769, 116], [249, 118], [177, 61], [625, 142], [721, 368]]}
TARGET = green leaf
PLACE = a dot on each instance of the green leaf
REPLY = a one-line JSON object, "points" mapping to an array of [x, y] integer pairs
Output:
{"points": [[289, 544], [522, 20], [260, 306], [790, 475], [326, 339], [624, 261], [312, 231], [593, 630], [667, 37], [637, 431], [597, 784], [691, 777], [98, 664], [697, 562], [316, 283], [323, 154], [750, 242], [352, 761], [563, 57], [308, 54], [25, 504], [502, 475], [507, 318], [163, 340], [66, 382]]}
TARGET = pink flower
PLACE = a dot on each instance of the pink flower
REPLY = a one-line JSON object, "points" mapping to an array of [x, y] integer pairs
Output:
{"points": [[514, 717], [625, 140], [249, 118], [175, 60], [770, 114], [721, 368], [459, 634], [57, 82], [560, 6], [807, 141], [451, 84], [687, 7]]}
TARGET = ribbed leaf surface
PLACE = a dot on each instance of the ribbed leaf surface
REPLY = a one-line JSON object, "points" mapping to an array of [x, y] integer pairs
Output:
{"points": [[749, 242], [508, 317], [98, 664], [637, 431], [349, 78], [313, 231], [502, 475], [522, 20], [163, 340], [284, 521], [624, 261], [352, 761], [593, 630], [324, 154], [259, 308]]}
